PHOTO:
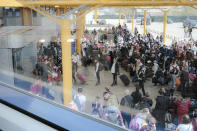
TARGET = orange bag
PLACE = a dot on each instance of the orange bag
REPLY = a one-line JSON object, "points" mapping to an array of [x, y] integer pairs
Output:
{"points": [[178, 81]]}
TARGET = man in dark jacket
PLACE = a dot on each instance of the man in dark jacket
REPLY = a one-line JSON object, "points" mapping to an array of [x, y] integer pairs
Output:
{"points": [[137, 96], [161, 107], [126, 102], [141, 78]]}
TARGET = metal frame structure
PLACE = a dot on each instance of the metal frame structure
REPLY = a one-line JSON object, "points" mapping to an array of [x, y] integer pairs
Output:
{"points": [[110, 2], [82, 7]]}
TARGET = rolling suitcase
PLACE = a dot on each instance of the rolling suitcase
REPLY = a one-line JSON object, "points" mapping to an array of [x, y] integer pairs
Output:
{"points": [[125, 80], [81, 77]]}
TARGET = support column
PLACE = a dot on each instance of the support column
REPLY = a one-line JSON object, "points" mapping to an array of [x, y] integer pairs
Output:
{"points": [[58, 12], [119, 16], [164, 26], [80, 27], [32, 17], [145, 11], [133, 16], [95, 15], [66, 62], [125, 16], [65, 10], [26, 16]]}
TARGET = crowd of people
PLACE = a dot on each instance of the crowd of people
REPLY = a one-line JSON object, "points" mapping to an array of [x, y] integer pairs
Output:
{"points": [[48, 67], [143, 57]]}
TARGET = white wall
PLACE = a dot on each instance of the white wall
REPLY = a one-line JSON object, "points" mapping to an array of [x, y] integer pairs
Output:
{"points": [[12, 120]]}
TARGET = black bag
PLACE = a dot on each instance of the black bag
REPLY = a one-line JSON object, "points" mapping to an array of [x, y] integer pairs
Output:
{"points": [[101, 67], [125, 80], [175, 70], [154, 80]]}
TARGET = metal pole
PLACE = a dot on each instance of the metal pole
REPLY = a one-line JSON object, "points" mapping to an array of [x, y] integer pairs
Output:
{"points": [[79, 33], [32, 17], [66, 62], [119, 16], [164, 26], [65, 10], [133, 16], [58, 12], [145, 11], [95, 15], [125, 16]]}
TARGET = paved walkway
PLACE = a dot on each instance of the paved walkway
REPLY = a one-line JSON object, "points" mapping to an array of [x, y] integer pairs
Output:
{"points": [[91, 91]]}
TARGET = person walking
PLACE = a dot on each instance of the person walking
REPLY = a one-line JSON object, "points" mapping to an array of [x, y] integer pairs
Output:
{"points": [[174, 70], [75, 61], [141, 78], [184, 81], [97, 70], [114, 71]]}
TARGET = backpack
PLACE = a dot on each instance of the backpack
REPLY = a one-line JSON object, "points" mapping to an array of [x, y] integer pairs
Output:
{"points": [[101, 67], [127, 102], [108, 58], [175, 70], [141, 72]]}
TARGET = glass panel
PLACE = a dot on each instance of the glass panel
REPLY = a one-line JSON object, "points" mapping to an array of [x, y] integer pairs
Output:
{"points": [[18, 13], [9, 13], [112, 64]]}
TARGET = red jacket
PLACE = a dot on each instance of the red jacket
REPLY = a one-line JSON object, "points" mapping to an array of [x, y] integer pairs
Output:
{"points": [[182, 107]]}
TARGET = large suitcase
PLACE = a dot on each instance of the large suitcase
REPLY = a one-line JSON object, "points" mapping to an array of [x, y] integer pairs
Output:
{"points": [[125, 80], [81, 77]]}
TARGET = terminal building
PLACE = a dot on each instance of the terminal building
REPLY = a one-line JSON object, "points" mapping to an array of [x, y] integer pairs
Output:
{"points": [[98, 65]]}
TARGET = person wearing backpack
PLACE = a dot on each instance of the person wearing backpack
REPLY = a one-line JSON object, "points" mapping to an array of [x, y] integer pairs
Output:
{"points": [[174, 70], [97, 108], [111, 109]]}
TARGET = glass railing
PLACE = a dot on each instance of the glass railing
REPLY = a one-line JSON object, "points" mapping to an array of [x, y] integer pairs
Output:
{"points": [[102, 92]]}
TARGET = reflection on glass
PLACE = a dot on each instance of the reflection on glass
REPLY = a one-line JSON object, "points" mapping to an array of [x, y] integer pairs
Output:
{"points": [[111, 68]]}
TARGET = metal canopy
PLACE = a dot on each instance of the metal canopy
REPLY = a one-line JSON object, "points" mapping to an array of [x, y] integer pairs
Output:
{"points": [[108, 2]]}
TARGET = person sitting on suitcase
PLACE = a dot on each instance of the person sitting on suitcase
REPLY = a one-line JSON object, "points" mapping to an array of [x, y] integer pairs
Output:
{"points": [[114, 71]]}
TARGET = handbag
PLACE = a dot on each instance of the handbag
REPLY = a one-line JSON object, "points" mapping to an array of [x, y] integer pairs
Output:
{"points": [[178, 81]]}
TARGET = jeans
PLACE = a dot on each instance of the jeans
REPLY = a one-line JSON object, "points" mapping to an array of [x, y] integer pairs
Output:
{"points": [[114, 79], [98, 77], [141, 85], [174, 80], [126, 118]]}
